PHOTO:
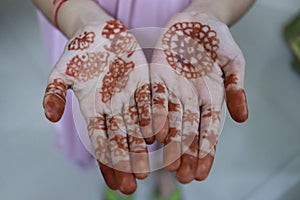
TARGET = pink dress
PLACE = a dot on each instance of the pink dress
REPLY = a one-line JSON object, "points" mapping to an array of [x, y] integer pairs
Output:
{"points": [[134, 14]]}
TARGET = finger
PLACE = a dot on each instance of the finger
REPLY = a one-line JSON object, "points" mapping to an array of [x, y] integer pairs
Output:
{"points": [[137, 146], [109, 176], [143, 102], [98, 137], [55, 99], [189, 144], [172, 143], [204, 166], [120, 154], [160, 111], [234, 86], [209, 134]]}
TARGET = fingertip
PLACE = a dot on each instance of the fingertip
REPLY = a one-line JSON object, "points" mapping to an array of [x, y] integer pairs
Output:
{"points": [[186, 172], [237, 104], [162, 132], [203, 167], [109, 176], [127, 182], [54, 108]]}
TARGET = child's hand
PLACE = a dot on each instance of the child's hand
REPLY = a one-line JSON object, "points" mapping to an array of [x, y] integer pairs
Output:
{"points": [[109, 75], [195, 63]]}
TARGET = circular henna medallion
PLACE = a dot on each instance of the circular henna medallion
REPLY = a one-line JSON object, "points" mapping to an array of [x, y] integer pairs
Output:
{"points": [[191, 48]]}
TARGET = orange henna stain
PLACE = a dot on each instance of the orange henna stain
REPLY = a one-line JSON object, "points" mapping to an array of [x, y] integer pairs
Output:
{"points": [[190, 117], [232, 79], [82, 42], [121, 41], [173, 132], [173, 107], [237, 104], [159, 88], [116, 78], [86, 67], [214, 114], [55, 99], [96, 123], [143, 97], [183, 51]]}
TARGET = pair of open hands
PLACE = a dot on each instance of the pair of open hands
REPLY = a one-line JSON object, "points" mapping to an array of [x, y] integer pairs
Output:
{"points": [[175, 100]]}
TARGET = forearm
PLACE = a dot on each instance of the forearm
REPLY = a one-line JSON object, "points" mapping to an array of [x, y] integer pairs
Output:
{"points": [[70, 15], [228, 11]]}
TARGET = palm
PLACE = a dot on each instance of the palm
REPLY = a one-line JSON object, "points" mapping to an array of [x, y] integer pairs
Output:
{"points": [[188, 91]]}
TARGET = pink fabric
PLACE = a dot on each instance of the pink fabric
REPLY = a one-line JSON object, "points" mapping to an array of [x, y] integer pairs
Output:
{"points": [[134, 14]]}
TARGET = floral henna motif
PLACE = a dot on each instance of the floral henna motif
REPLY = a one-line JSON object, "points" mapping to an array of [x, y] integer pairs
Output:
{"points": [[119, 146], [190, 142], [57, 88], [159, 101], [116, 78], [122, 42], [208, 140], [115, 123], [191, 117], [135, 140], [159, 88], [82, 42], [96, 123], [86, 67], [173, 133], [101, 151], [191, 48], [173, 107], [214, 114], [143, 97], [232, 79]]}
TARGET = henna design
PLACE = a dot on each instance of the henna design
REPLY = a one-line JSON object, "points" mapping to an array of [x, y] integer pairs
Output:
{"points": [[101, 151], [96, 123], [232, 79], [119, 145], [173, 133], [189, 45], [57, 88], [131, 116], [135, 139], [115, 123], [214, 114], [122, 42], [159, 100], [143, 97], [86, 67], [82, 42], [190, 142], [159, 88], [211, 137], [116, 78], [191, 117], [173, 107]]}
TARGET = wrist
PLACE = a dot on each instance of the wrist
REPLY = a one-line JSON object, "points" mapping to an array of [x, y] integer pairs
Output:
{"points": [[72, 18], [214, 8]]}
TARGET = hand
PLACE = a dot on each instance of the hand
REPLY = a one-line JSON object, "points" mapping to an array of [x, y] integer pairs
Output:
{"points": [[109, 75], [194, 64]]}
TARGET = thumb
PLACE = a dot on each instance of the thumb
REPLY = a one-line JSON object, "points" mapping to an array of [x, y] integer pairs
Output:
{"points": [[55, 98]]}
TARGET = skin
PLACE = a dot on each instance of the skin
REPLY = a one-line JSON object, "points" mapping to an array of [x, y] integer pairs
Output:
{"points": [[198, 138], [185, 151]]}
